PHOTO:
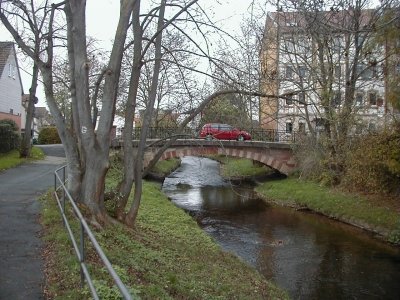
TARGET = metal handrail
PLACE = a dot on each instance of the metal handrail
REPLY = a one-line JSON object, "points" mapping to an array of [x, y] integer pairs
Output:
{"points": [[80, 250], [257, 134]]}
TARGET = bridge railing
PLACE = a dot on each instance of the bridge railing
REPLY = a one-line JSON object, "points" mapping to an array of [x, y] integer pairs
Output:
{"points": [[163, 132], [265, 135], [271, 135]]}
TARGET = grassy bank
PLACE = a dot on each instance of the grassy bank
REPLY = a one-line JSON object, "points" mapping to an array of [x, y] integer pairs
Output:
{"points": [[166, 256], [236, 168], [165, 167], [357, 210], [11, 159], [377, 215]]}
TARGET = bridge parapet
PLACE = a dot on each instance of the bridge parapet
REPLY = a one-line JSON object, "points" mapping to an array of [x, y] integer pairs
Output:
{"points": [[278, 156]]}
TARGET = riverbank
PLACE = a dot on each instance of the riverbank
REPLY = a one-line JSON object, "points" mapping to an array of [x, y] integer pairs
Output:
{"points": [[376, 215], [241, 170], [166, 256], [380, 218]]}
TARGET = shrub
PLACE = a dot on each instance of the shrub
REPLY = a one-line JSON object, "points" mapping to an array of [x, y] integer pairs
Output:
{"points": [[9, 136], [374, 163], [10, 122], [49, 135], [310, 154]]}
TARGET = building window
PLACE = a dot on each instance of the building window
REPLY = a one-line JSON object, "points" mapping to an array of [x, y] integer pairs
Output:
{"points": [[359, 128], [359, 99], [302, 71], [319, 124], [372, 126], [291, 24], [302, 98], [360, 40], [288, 72], [289, 127], [338, 71], [289, 99], [336, 98], [11, 111], [302, 127], [366, 72], [336, 41], [303, 44], [288, 45], [372, 99], [11, 71]]}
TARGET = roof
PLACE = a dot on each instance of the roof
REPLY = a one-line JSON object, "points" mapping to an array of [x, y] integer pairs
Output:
{"points": [[41, 112], [289, 21], [5, 49]]}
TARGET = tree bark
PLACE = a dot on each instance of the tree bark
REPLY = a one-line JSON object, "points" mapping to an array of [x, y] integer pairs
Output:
{"points": [[25, 149], [126, 184], [95, 145], [131, 216]]}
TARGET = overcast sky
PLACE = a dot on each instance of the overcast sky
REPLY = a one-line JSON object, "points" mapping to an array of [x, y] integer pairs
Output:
{"points": [[102, 17]]}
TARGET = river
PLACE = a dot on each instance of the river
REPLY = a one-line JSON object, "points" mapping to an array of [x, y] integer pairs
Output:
{"points": [[308, 255]]}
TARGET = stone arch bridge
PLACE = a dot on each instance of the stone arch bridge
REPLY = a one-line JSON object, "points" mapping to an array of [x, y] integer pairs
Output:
{"points": [[277, 155]]}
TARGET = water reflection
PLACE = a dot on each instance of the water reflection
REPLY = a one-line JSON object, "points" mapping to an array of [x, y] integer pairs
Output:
{"points": [[310, 256]]}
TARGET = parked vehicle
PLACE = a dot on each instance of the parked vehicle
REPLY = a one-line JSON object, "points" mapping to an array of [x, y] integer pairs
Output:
{"points": [[223, 132]]}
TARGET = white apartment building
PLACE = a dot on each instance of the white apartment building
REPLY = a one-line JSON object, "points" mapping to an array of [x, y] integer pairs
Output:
{"points": [[312, 60]]}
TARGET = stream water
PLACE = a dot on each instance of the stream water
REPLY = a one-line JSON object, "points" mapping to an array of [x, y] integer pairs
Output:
{"points": [[308, 255]]}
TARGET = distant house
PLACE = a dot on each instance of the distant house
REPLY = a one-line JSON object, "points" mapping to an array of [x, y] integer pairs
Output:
{"points": [[41, 118], [11, 90]]}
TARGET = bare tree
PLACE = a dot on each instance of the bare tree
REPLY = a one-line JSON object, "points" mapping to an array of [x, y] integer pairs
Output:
{"points": [[86, 137], [87, 150], [33, 19]]}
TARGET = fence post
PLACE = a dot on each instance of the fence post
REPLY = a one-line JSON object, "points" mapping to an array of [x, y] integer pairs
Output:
{"points": [[63, 199], [82, 253]]}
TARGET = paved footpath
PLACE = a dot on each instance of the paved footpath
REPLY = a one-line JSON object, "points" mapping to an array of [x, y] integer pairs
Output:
{"points": [[21, 265]]}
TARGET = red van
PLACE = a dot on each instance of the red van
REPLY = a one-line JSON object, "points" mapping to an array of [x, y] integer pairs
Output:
{"points": [[223, 132]]}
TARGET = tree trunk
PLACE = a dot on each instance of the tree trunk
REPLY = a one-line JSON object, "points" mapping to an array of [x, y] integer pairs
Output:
{"points": [[95, 146], [25, 149], [92, 193], [125, 186], [131, 216]]}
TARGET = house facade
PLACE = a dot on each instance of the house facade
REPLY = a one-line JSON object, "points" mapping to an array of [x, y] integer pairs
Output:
{"points": [[11, 90], [321, 69]]}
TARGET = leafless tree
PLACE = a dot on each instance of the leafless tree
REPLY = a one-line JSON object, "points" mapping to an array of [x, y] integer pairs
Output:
{"points": [[31, 20], [86, 138], [87, 150]]}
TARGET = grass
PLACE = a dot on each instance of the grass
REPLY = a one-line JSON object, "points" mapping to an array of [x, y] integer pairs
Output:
{"points": [[166, 256], [165, 167], [355, 209], [11, 159], [239, 167], [372, 214]]}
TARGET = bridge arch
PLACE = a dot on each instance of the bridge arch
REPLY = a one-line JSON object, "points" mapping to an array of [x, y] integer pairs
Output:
{"points": [[277, 157]]}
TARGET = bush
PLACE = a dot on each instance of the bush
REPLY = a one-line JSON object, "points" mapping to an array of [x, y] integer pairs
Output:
{"points": [[310, 153], [9, 136], [49, 135], [10, 122], [374, 163]]}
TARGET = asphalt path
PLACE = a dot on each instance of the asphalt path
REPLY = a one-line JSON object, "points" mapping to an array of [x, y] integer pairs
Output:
{"points": [[21, 265]]}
